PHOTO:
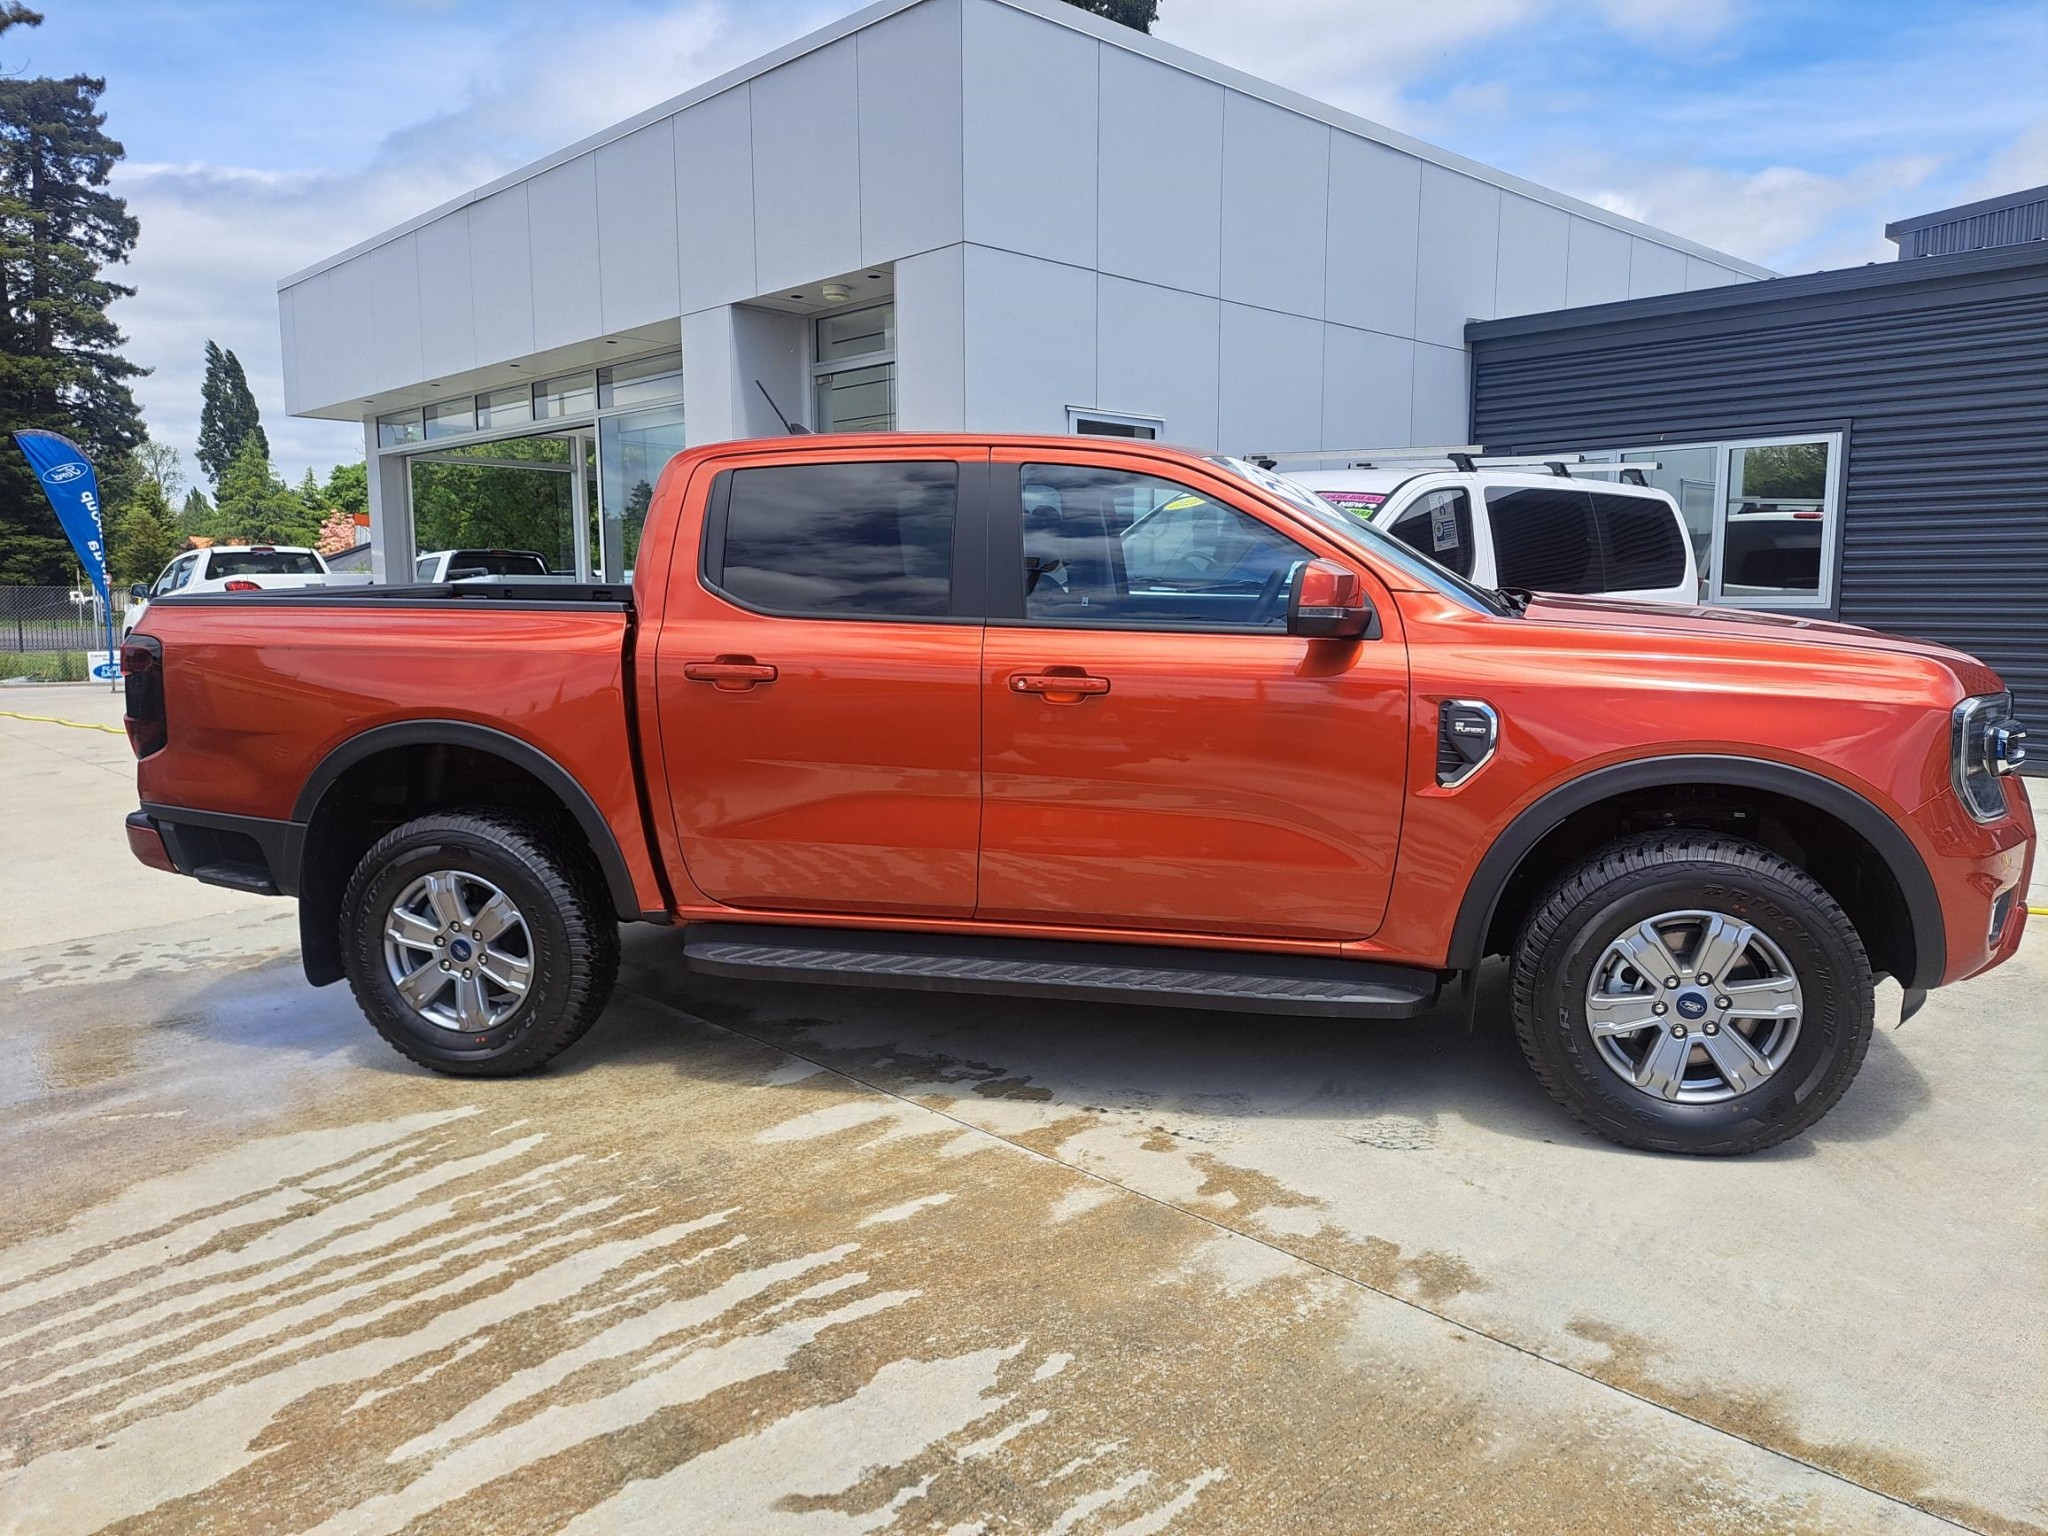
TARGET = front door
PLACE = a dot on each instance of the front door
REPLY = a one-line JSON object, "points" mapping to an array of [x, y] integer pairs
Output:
{"points": [[818, 685], [1160, 752]]}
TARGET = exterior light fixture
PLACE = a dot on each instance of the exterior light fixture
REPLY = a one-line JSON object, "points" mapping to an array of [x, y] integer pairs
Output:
{"points": [[835, 293]]}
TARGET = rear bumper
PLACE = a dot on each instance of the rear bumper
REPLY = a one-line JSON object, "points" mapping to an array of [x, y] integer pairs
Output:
{"points": [[241, 853]]}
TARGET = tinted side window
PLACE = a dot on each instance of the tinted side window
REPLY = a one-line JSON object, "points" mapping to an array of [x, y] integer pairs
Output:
{"points": [[1642, 542], [1440, 526], [1544, 539], [842, 540], [1111, 546]]}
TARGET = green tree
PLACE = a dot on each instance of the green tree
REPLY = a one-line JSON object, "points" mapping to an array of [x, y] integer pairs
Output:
{"points": [[348, 488], [60, 363], [159, 462], [196, 516], [227, 415], [145, 536], [1130, 13], [256, 507]]}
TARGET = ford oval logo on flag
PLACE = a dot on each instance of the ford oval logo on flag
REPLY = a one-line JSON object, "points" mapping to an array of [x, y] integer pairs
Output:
{"points": [[64, 474]]}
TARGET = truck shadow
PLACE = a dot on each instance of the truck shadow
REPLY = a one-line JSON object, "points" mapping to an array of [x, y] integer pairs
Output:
{"points": [[1398, 1078]]}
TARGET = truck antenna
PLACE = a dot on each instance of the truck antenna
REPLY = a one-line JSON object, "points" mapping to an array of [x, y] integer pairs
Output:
{"points": [[794, 429]]}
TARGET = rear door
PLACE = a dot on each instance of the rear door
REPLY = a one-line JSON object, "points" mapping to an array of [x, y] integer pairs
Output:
{"points": [[1160, 753], [818, 683]]}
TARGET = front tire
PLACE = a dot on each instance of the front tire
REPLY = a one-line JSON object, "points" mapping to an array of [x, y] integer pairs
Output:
{"points": [[1687, 992], [478, 942]]}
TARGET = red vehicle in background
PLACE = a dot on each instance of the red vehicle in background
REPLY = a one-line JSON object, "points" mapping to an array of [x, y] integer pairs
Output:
{"points": [[1082, 719]]}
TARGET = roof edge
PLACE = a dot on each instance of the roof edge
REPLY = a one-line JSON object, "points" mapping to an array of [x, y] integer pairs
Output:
{"points": [[1961, 211], [1061, 14], [1990, 262]]}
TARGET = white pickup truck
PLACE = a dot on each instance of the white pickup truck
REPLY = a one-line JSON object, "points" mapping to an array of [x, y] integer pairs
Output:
{"points": [[230, 568]]}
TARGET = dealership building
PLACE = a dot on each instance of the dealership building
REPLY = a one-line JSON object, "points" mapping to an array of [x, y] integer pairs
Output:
{"points": [[981, 215]]}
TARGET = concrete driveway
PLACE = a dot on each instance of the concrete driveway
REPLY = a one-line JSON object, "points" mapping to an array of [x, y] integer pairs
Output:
{"points": [[764, 1260]]}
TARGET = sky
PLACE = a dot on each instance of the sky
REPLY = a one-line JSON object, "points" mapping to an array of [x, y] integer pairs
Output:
{"points": [[263, 136]]}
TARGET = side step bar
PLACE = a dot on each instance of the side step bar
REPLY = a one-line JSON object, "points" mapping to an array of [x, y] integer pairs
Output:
{"points": [[1107, 973]]}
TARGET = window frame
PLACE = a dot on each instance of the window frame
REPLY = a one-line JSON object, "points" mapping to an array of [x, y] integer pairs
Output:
{"points": [[823, 367], [970, 538], [1827, 600], [1006, 602]]}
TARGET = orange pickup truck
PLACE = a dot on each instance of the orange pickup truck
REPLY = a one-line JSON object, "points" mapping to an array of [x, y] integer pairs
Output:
{"points": [[1079, 719]]}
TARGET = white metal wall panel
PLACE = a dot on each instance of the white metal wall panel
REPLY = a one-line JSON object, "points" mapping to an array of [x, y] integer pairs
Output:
{"points": [[1458, 253], [288, 342], [447, 319], [1375, 205], [1155, 355], [1029, 134], [1368, 389], [1276, 192], [1272, 383], [638, 280], [1533, 243], [561, 207], [931, 352], [910, 131], [395, 301], [501, 276], [352, 311], [1442, 413], [1030, 341], [1598, 264], [806, 190], [768, 350], [714, 151], [1704, 274], [710, 409], [1654, 269], [1159, 189]]}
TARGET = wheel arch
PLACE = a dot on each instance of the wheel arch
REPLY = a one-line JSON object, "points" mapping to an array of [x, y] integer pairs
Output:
{"points": [[1900, 916], [337, 831]]}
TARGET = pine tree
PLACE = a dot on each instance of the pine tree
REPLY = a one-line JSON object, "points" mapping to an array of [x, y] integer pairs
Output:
{"points": [[60, 362], [196, 516], [256, 507], [227, 414], [1130, 13], [144, 536]]}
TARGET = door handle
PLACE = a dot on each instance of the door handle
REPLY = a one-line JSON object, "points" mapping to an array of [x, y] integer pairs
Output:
{"points": [[1059, 687], [730, 674]]}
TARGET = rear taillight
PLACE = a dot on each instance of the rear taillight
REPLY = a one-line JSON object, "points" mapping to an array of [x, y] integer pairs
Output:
{"points": [[240, 586], [142, 676]]}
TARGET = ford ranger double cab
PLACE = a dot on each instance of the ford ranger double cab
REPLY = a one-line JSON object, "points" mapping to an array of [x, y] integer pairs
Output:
{"points": [[1076, 719]]}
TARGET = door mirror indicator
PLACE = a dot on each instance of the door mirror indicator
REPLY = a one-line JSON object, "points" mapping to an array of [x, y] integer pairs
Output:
{"points": [[1326, 601]]}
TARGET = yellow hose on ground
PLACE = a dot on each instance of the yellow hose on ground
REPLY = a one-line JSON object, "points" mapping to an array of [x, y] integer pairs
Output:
{"points": [[76, 725]]}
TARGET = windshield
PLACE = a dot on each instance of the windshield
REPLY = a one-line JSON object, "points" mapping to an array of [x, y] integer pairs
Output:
{"points": [[1359, 528], [263, 562]]}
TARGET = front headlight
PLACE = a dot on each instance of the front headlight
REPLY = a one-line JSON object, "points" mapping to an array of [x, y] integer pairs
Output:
{"points": [[1986, 744]]}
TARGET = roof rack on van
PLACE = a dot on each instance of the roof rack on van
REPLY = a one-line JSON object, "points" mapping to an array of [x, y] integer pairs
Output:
{"points": [[1466, 458]]}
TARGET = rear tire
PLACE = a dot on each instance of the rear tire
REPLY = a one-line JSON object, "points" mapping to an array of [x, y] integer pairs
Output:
{"points": [[479, 943], [1755, 1031]]}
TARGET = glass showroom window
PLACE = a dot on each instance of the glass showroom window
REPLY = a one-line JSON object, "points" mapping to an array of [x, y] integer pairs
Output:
{"points": [[1764, 513], [853, 380], [633, 447]]}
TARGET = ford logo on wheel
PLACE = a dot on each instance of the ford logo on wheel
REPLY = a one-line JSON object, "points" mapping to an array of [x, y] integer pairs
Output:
{"points": [[63, 474], [1691, 1005]]}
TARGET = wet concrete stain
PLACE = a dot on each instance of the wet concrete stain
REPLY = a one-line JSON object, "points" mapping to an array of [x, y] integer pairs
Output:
{"points": [[697, 1286]]}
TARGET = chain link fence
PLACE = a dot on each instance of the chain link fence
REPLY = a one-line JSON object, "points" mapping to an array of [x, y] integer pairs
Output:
{"points": [[43, 619]]}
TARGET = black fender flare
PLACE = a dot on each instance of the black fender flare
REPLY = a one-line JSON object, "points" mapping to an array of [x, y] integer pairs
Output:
{"points": [[604, 843], [1874, 826]]}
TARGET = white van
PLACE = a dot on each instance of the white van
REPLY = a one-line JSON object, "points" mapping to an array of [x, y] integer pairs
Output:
{"points": [[1531, 528]]}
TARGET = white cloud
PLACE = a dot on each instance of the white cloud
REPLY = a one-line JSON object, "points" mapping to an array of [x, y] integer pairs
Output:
{"points": [[216, 238]]}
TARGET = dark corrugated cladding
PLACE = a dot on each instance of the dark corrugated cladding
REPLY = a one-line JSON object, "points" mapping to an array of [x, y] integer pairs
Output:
{"points": [[1935, 370]]}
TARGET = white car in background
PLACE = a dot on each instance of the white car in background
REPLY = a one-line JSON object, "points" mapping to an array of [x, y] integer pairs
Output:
{"points": [[441, 565], [230, 568], [1543, 530]]}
